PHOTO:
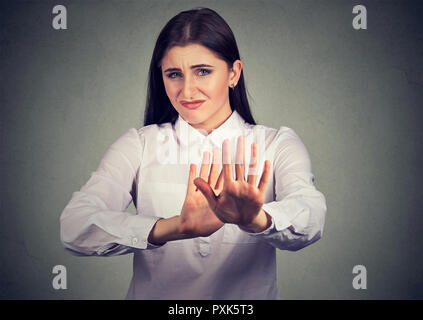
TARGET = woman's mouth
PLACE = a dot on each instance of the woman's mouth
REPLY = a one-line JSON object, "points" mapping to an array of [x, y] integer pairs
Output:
{"points": [[192, 104]]}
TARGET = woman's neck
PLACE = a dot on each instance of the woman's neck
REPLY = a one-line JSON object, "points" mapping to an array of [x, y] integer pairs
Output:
{"points": [[215, 121]]}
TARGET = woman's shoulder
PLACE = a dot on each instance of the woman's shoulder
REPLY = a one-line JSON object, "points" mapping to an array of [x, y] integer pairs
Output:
{"points": [[281, 132], [133, 136], [151, 130]]}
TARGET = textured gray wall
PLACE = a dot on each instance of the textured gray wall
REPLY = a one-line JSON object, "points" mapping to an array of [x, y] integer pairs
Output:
{"points": [[354, 98]]}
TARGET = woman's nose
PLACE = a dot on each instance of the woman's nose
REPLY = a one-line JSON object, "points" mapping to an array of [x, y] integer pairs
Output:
{"points": [[189, 87]]}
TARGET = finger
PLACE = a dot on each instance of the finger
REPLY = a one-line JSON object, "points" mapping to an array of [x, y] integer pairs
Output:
{"points": [[240, 159], [206, 190], [219, 183], [226, 159], [252, 168], [215, 167], [204, 171], [191, 177], [264, 176]]}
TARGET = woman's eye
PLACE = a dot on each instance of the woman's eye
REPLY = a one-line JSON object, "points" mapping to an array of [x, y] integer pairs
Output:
{"points": [[201, 72], [170, 75], [206, 72]]}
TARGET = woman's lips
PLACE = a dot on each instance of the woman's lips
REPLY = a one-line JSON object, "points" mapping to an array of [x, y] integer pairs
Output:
{"points": [[193, 104]]}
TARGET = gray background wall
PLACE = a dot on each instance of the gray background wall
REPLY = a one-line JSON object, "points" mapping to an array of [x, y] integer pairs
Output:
{"points": [[354, 98]]}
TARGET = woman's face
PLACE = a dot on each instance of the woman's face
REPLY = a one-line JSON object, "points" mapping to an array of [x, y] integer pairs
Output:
{"points": [[193, 73]]}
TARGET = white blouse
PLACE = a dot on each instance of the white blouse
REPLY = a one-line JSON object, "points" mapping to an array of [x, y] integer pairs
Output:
{"points": [[150, 166]]}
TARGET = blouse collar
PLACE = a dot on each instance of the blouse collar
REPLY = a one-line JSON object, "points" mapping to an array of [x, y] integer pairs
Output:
{"points": [[229, 129]]}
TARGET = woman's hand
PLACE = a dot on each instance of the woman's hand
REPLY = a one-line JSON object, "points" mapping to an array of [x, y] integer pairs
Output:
{"points": [[240, 201], [196, 218]]}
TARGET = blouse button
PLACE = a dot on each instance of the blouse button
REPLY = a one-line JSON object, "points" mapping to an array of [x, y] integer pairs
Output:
{"points": [[204, 249]]}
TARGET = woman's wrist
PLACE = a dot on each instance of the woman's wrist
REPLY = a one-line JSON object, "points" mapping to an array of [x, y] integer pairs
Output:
{"points": [[164, 230], [260, 223], [169, 229]]}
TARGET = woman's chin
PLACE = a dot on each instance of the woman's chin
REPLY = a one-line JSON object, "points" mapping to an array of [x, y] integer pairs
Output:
{"points": [[192, 117]]}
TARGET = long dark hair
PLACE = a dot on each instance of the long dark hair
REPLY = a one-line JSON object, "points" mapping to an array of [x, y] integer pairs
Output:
{"points": [[202, 26]]}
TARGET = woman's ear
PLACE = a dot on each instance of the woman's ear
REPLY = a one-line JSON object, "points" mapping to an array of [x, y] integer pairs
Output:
{"points": [[235, 72]]}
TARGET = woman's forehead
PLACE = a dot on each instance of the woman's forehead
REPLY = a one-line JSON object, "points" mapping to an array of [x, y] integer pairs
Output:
{"points": [[192, 54]]}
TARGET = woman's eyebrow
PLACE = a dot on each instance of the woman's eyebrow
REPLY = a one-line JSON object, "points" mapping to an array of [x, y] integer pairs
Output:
{"points": [[192, 67]]}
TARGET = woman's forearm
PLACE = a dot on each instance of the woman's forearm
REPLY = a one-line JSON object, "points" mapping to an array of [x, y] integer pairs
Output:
{"points": [[166, 230]]}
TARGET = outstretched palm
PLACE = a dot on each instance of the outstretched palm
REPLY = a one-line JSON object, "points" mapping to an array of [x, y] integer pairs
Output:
{"points": [[240, 201], [197, 218]]}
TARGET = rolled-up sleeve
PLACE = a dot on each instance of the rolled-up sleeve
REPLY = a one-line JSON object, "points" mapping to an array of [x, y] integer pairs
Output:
{"points": [[94, 222], [299, 209]]}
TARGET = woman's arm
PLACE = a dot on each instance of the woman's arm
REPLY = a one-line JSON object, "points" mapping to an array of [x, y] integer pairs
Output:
{"points": [[299, 209], [165, 230], [295, 219], [94, 222]]}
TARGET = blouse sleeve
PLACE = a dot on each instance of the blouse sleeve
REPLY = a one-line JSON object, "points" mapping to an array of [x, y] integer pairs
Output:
{"points": [[94, 222], [299, 209]]}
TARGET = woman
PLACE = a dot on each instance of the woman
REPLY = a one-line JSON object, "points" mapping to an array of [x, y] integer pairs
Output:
{"points": [[208, 237]]}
